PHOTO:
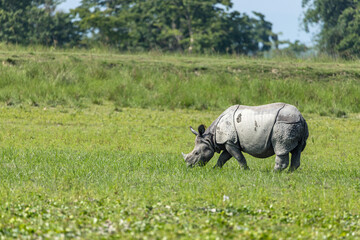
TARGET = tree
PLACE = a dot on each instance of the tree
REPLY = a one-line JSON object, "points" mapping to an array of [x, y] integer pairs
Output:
{"points": [[102, 20], [173, 25], [349, 24], [340, 25], [35, 22]]}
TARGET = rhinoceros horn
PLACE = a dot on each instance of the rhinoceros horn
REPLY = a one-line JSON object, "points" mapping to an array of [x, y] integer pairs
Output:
{"points": [[184, 155], [193, 131]]}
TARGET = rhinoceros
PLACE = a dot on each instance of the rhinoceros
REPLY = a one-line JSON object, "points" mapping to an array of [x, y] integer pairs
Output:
{"points": [[260, 131]]}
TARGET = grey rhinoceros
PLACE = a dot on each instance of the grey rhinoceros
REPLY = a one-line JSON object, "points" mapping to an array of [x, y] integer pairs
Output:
{"points": [[260, 131]]}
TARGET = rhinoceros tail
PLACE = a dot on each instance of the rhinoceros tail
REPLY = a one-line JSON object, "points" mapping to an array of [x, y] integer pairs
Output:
{"points": [[306, 133]]}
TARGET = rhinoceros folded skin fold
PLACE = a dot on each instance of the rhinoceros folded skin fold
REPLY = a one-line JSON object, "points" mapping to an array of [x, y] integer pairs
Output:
{"points": [[260, 131], [254, 127]]}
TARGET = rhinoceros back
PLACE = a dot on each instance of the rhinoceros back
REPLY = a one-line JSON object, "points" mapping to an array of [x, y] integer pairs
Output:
{"points": [[254, 126]]}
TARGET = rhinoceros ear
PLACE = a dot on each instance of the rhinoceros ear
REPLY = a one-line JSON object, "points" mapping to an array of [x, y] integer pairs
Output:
{"points": [[201, 129], [193, 131]]}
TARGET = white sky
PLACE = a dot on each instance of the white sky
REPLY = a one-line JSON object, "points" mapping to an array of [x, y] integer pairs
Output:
{"points": [[285, 15]]}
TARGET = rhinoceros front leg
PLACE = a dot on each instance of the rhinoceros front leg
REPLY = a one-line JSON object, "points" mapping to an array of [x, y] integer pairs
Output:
{"points": [[281, 162], [236, 153], [224, 157]]}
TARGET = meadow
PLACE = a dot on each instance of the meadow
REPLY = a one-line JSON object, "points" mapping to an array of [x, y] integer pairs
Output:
{"points": [[91, 143]]}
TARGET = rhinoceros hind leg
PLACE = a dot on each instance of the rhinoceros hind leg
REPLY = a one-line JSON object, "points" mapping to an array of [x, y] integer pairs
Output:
{"points": [[236, 153], [224, 157], [286, 137], [281, 162], [295, 158]]}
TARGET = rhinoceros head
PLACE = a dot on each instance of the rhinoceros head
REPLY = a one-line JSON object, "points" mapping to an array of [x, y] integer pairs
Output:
{"points": [[203, 150]]}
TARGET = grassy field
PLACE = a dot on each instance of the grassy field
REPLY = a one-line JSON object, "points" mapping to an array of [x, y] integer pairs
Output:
{"points": [[81, 78], [78, 163]]}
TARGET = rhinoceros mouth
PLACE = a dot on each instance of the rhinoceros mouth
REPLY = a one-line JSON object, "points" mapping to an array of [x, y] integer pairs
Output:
{"points": [[189, 164], [196, 162], [192, 164]]}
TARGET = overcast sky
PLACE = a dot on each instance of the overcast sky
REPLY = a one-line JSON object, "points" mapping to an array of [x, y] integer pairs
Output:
{"points": [[285, 15]]}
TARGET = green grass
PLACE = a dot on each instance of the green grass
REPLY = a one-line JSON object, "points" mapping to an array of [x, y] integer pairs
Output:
{"points": [[91, 142], [103, 173], [79, 78]]}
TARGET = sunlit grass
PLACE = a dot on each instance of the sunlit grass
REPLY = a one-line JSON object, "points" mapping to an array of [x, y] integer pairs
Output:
{"points": [[99, 172], [91, 142]]}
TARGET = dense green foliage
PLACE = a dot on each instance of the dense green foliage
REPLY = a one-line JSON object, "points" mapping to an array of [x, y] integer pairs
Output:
{"points": [[137, 25], [98, 173], [340, 25], [35, 22], [194, 26], [80, 78]]}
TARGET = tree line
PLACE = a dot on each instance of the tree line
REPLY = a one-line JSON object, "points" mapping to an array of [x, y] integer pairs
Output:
{"points": [[173, 25], [340, 25]]}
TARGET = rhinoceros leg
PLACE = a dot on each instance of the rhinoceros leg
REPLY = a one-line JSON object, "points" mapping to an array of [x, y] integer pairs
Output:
{"points": [[281, 162], [285, 139], [295, 158], [236, 153], [224, 157]]}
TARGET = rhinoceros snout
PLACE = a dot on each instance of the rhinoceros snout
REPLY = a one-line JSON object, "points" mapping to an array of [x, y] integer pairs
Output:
{"points": [[189, 164]]}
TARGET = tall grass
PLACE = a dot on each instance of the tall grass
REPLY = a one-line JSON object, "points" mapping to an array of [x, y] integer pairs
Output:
{"points": [[82, 78]]}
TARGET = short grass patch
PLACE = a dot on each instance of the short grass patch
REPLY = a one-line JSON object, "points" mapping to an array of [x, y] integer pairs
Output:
{"points": [[110, 172]]}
